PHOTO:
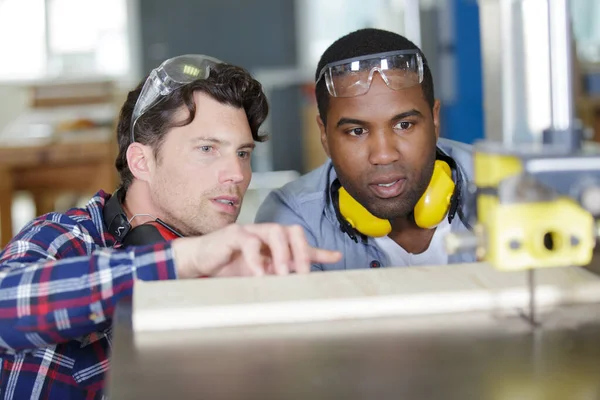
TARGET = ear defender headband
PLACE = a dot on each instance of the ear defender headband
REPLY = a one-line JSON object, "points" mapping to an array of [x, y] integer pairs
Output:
{"points": [[120, 227], [440, 200]]}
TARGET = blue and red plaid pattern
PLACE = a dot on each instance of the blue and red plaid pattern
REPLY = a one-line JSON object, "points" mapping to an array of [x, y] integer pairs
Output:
{"points": [[60, 280]]}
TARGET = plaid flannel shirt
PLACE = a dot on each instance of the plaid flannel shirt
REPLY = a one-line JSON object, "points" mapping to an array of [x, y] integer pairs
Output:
{"points": [[60, 280]]}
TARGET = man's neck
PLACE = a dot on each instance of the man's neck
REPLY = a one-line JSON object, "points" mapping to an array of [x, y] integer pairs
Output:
{"points": [[137, 203], [409, 236]]}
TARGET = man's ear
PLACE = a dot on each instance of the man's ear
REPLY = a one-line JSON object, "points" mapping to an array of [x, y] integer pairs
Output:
{"points": [[323, 135], [436, 118], [140, 160]]}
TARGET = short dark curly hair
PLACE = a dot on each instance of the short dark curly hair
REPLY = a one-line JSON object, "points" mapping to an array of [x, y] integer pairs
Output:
{"points": [[361, 43], [227, 84]]}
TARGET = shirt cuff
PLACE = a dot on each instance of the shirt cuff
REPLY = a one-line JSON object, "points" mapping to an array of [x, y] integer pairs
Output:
{"points": [[154, 262]]}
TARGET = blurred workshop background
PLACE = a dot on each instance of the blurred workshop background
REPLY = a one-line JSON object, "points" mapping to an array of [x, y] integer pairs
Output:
{"points": [[67, 65]]}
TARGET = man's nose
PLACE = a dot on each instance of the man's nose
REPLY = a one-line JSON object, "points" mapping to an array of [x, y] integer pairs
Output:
{"points": [[382, 148], [232, 170]]}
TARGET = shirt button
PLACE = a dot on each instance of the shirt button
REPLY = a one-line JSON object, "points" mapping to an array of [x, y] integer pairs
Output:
{"points": [[375, 264]]}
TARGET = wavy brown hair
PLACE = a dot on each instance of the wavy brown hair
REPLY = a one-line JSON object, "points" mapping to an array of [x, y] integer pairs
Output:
{"points": [[227, 84]]}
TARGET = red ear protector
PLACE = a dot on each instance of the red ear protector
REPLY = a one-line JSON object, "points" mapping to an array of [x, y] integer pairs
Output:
{"points": [[119, 226]]}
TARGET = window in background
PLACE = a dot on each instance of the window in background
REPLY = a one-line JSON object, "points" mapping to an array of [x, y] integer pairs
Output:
{"points": [[22, 39], [87, 37], [63, 39], [322, 22], [586, 30]]}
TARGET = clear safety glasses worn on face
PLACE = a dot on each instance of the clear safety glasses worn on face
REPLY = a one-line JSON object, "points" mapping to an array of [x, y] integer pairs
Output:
{"points": [[169, 76], [353, 76]]}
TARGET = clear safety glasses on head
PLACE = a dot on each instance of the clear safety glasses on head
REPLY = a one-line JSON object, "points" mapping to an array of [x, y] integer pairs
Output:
{"points": [[168, 77], [353, 76]]}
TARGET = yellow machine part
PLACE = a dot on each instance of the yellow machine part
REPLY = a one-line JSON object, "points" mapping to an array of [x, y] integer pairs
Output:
{"points": [[490, 170], [519, 236], [557, 233]]}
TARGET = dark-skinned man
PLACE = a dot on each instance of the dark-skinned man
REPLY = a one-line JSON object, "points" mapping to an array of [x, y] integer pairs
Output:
{"points": [[392, 189]]}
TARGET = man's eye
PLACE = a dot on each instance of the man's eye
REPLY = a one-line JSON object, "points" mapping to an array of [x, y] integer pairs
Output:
{"points": [[403, 125], [356, 131], [205, 149], [243, 154]]}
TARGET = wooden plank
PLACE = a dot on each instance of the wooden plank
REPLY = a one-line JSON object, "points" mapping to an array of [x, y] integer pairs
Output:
{"points": [[72, 93], [58, 153], [68, 177], [352, 294]]}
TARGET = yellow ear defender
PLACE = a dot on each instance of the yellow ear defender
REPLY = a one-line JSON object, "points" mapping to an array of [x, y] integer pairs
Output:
{"points": [[360, 218], [432, 207], [429, 211]]}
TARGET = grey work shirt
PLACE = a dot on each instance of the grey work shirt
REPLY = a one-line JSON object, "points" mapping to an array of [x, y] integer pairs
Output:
{"points": [[307, 202]]}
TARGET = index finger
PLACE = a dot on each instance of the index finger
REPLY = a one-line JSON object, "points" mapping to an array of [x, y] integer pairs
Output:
{"points": [[300, 249], [304, 254]]}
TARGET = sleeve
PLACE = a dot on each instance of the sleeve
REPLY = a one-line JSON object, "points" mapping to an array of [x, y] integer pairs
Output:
{"points": [[47, 297], [277, 209]]}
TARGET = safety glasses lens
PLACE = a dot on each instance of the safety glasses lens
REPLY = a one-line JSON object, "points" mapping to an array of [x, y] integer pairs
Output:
{"points": [[354, 78]]}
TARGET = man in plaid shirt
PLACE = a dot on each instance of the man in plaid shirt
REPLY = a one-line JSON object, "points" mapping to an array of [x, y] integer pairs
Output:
{"points": [[184, 161]]}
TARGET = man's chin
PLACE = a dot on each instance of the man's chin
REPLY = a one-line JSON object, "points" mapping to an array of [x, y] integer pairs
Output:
{"points": [[382, 212], [216, 225]]}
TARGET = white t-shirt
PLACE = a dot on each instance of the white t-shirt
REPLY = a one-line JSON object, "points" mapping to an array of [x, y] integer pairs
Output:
{"points": [[434, 255]]}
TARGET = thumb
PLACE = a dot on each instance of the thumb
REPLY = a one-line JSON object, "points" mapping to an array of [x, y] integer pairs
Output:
{"points": [[324, 256]]}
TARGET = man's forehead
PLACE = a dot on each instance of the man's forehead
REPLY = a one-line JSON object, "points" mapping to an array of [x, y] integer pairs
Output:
{"points": [[208, 108], [378, 96], [213, 121]]}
